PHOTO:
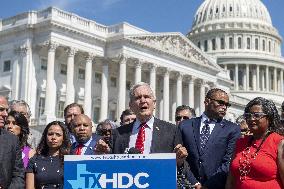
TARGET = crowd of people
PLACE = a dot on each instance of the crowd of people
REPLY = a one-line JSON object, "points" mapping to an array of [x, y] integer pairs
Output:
{"points": [[211, 152]]}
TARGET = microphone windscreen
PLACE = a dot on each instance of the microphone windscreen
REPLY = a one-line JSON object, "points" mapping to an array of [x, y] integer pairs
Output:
{"points": [[133, 151]]}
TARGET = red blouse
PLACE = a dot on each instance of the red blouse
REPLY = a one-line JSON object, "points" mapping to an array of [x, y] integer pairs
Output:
{"points": [[258, 171]]}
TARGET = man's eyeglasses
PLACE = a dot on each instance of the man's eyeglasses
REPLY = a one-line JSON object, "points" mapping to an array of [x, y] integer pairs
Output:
{"points": [[178, 118], [255, 115], [221, 102]]}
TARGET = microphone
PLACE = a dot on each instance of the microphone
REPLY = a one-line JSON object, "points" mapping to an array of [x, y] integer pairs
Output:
{"points": [[133, 150]]}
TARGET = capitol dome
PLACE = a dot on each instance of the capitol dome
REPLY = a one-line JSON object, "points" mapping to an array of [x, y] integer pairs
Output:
{"points": [[238, 10], [240, 35]]}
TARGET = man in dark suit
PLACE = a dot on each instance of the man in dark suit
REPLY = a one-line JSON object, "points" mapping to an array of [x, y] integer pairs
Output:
{"points": [[210, 141], [85, 141], [11, 164], [147, 134]]}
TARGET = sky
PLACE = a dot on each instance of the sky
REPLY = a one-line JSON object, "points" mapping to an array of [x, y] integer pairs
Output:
{"points": [[151, 15]]}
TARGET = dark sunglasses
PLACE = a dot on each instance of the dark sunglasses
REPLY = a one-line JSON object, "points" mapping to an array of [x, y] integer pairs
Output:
{"points": [[104, 132], [221, 102], [178, 118], [244, 130], [255, 115]]}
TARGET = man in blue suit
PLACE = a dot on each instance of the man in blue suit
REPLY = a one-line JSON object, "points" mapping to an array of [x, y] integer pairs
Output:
{"points": [[210, 142], [85, 141]]}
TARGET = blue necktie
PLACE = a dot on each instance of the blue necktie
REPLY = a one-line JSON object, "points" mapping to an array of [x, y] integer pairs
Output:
{"points": [[204, 136]]}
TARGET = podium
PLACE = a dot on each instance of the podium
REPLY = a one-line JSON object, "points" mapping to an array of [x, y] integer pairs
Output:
{"points": [[153, 171]]}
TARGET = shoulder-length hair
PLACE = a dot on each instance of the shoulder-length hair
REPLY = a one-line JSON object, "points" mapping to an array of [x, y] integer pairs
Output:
{"points": [[64, 149], [22, 122]]}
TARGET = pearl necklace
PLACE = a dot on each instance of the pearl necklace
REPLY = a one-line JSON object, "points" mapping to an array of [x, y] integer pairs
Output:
{"points": [[247, 157]]}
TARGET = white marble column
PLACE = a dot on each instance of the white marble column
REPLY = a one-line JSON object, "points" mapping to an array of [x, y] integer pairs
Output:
{"points": [[179, 90], [275, 80], [262, 80], [191, 92], [70, 89], [138, 68], [153, 77], [236, 77], [122, 86], [257, 78], [244, 79], [166, 94], [104, 94], [24, 64], [247, 77], [15, 78], [254, 80], [50, 93], [267, 79], [202, 97], [225, 67], [88, 85], [281, 82]]}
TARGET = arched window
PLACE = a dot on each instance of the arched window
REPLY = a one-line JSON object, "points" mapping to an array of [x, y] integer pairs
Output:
{"points": [[263, 45], [213, 44], [231, 43], [256, 44], [222, 40], [248, 43], [269, 46], [198, 44], [239, 42], [205, 46]]}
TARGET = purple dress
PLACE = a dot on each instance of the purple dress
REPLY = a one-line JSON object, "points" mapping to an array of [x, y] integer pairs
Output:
{"points": [[25, 155]]}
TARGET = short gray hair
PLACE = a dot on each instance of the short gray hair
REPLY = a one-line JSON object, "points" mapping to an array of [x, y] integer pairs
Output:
{"points": [[134, 87], [20, 103]]}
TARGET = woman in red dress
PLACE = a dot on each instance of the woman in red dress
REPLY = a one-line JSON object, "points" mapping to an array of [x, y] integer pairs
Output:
{"points": [[258, 162]]}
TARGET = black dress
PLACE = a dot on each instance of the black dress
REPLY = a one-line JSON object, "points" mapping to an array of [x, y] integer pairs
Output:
{"points": [[48, 171]]}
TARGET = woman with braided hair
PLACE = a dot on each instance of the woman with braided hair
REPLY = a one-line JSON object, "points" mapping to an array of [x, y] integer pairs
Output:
{"points": [[259, 159]]}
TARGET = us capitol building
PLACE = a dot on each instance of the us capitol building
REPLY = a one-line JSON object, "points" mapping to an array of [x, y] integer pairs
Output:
{"points": [[51, 58]]}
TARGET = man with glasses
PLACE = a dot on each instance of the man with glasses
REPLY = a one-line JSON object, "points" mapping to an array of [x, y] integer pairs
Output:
{"points": [[104, 129], [22, 107], [210, 141], [184, 112], [11, 164]]}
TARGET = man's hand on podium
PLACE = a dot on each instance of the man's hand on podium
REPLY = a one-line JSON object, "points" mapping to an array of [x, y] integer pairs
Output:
{"points": [[102, 148]]}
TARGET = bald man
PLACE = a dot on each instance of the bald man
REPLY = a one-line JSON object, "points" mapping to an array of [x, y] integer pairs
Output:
{"points": [[11, 164], [85, 140]]}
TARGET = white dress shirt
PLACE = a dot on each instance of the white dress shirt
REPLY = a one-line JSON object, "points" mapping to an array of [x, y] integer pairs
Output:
{"points": [[85, 146], [148, 135], [202, 124]]}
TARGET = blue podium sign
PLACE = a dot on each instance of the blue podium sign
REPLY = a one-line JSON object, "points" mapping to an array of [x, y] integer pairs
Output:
{"points": [[120, 171]]}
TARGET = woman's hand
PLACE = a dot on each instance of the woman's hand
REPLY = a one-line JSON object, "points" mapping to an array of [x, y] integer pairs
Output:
{"points": [[30, 181]]}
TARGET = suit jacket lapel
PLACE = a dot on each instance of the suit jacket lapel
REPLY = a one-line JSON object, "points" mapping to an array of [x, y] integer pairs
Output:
{"points": [[196, 130], [126, 136], [156, 136]]}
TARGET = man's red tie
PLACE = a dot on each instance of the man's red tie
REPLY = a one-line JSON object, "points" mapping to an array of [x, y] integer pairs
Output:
{"points": [[139, 145], [79, 149]]}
